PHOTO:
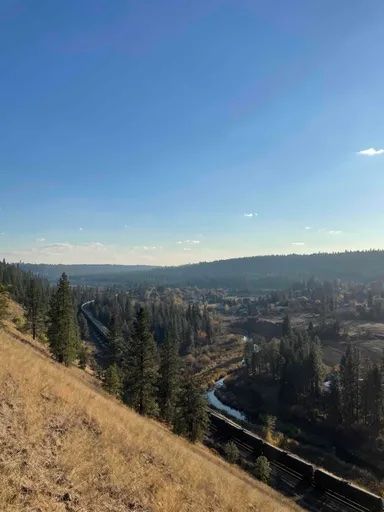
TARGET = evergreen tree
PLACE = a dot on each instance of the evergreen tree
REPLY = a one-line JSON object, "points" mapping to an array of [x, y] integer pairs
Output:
{"points": [[232, 453], [116, 341], [3, 303], [372, 397], [83, 327], [315, 368], [169, 377], [191, 419], [263, 469], [141, 366], [334, 405], [350, 385], [34, 306], [112, 381], [62, 332]]}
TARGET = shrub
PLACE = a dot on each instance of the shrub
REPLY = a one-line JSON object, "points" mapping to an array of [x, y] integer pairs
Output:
{"points": [[262, 469], [231, 452]]}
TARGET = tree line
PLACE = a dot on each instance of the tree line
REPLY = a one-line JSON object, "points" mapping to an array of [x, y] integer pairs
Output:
{"points": [[349, 396], [151, 378], [145, 374], [192, 325]]}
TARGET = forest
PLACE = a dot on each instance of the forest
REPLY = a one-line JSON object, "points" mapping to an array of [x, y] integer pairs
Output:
{"points": [[144, 367], [247, 274]]}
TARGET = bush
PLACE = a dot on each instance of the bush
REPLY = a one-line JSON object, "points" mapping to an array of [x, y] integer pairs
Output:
{"points": [[231, 452], [262, 469]]}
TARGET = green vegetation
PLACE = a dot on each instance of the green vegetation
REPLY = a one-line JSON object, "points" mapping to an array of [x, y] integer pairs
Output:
{"points": [[141, 365], [251, 273], [35, 306], [112, 381], [3, 302], [191, 413], [232, 453], [63, 335], [169, 377], [262, 469]]}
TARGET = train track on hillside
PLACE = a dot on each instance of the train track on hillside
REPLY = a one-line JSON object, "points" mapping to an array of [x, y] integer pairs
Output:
{"points": [[312, 488]]}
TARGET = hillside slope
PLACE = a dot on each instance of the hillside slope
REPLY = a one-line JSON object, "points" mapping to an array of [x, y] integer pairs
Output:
{"points": [[66, 446]]}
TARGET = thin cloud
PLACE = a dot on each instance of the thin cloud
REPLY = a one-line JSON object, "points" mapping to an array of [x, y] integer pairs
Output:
{"points": [[40, 239], [81, 229], [251, 214], [147, 247], [370, 152], [297, 243], [334, 232], [189, 242], [307, 228]]}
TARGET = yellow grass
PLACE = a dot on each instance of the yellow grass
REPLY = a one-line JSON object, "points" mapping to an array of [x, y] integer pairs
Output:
{"points": [[67, 446]]}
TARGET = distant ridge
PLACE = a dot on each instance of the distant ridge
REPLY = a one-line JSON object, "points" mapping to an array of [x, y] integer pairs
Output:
{"points": [[79, 271], [247, 273]]}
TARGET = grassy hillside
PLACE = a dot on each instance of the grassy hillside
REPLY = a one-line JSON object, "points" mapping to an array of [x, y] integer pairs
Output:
{"points": [[67, 446]]}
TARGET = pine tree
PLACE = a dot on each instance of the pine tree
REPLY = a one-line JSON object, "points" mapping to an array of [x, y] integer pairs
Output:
{"points": [[350, 385], [141, 367], [169, 377], [112, 381], [3, 303], [191, 419], [34, 306], [334, 405], [263, 469], [83, 327], [316, 368], [62, 332], [372, 397], [232, 453], [116, 341]]}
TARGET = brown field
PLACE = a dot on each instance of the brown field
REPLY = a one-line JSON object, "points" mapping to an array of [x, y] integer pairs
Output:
{"points": [[67, 446]]}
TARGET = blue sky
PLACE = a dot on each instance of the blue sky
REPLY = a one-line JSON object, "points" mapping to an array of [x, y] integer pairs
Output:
{"points": [[149, 132]]}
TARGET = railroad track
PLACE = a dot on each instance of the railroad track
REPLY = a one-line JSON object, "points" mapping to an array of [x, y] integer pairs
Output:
{"points": [[313, 496]]}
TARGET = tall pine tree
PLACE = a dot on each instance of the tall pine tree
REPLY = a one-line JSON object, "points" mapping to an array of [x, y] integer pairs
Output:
{"points": [[315, 368], [141, 367], [191, 419], [63, 334], [34, 306], [169, 376], [350, 385]]}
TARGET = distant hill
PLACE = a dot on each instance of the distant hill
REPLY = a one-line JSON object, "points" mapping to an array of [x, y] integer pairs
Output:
{"points": [[80, 273], [250, 273]]}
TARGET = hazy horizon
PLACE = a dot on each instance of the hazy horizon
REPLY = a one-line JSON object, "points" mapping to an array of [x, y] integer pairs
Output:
{"points": [[180, 132], [138, 264]]}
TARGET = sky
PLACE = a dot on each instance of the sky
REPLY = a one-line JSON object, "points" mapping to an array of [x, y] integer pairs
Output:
{"points": [[176, 131]]}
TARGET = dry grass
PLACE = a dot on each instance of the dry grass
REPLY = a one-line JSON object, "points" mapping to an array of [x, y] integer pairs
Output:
{"points": [[66, 446]]}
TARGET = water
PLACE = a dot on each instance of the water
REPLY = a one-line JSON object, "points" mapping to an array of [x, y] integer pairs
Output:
{"points": [[218, 404]]}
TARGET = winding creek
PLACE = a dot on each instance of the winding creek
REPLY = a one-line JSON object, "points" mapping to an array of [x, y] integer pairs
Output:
{"points": [[218, 404]]}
